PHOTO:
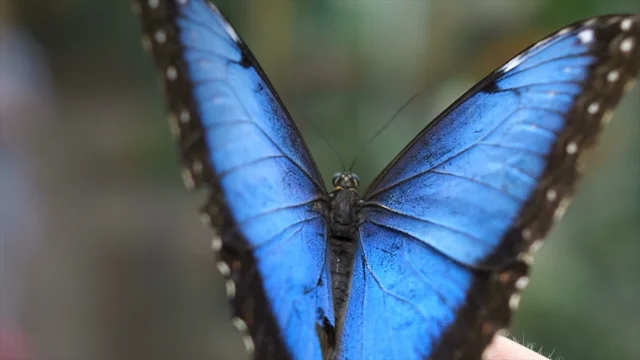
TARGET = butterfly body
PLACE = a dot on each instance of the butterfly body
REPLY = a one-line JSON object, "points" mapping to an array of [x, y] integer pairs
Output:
{"points": [[430, 261], [345, 212]]}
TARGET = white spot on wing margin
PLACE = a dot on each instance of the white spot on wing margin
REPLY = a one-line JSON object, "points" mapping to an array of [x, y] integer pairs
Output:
{"points": [[626, 45], [586, 36], [625, 25]]}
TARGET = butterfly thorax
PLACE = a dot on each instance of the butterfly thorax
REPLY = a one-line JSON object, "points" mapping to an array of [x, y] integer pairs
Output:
{"points": [[344, 213]]}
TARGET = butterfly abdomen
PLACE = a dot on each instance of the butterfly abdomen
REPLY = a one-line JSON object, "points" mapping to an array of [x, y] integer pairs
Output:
{"points": [[343, 222], [342, 254]]}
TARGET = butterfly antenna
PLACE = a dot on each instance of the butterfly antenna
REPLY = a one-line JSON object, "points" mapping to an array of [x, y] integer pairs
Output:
{"points": [[326, 140], [384, 127]]}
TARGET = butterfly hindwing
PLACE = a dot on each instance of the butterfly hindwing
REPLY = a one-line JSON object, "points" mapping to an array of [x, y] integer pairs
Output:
{"points": [[267, 199], [450, 224]]}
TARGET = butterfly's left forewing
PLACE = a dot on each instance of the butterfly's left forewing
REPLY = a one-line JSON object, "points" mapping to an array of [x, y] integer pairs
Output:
{"points": [[267, 199], [451, 223]]}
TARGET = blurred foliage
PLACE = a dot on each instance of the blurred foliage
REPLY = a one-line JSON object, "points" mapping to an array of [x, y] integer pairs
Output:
{"points": [[147, 287]]}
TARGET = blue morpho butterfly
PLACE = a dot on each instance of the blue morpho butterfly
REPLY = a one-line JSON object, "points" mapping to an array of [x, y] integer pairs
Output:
{"points": [[430, 262]]}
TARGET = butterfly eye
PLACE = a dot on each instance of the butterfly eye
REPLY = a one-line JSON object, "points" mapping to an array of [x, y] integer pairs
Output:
{"points": [[356, 179], [335, 178]]}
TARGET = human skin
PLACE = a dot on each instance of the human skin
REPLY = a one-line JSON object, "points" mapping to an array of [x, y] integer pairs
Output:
{"points": [[13, 346], [504, 349]]}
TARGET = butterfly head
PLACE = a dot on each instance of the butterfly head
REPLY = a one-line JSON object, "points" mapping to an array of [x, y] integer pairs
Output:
{"points": [[345, 180]]}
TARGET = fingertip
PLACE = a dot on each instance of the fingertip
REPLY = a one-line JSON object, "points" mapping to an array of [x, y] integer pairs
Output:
{"points": [[504, 349]]}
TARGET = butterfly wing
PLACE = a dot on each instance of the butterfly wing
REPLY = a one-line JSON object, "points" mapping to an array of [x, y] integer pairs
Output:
{"points": [[267, 199], [452, 221]]}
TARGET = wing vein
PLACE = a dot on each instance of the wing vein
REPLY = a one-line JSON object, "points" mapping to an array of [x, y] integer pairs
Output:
{"points": [[397, 183], [547, 130], [535, 65], [193, 21], [539, 108], [475, 181], [384, 289], [547, 83], [277, 209], [429, 246], [319, 187], [268, 241], [446, 227], [424, 279], [206, 52], [250, 163], [293, 162], [508, 147]]}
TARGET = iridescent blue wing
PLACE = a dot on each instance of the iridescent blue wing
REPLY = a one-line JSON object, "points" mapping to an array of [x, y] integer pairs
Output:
{"points": [[267, 199], [452, 221]]}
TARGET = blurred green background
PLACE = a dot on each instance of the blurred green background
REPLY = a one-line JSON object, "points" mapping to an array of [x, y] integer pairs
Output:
{"points": [[122, 269]]}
